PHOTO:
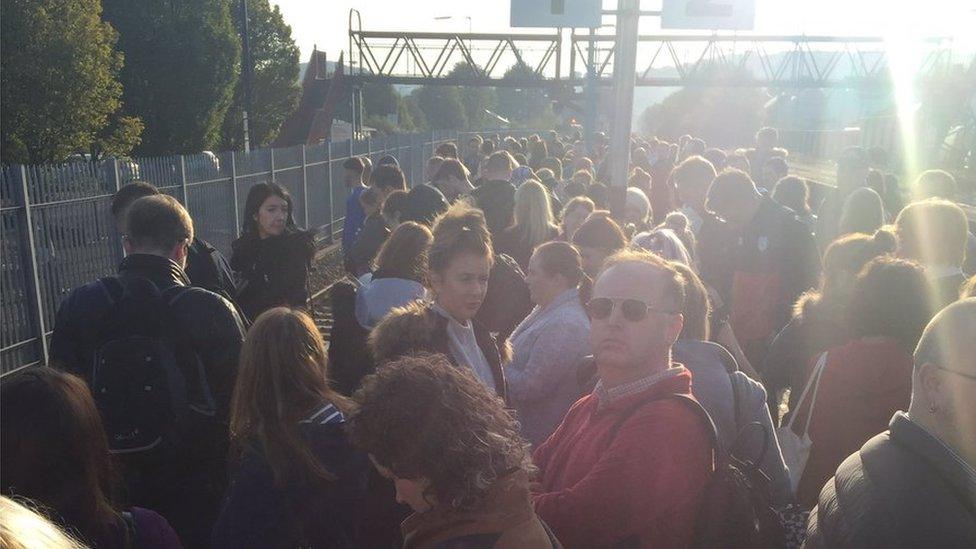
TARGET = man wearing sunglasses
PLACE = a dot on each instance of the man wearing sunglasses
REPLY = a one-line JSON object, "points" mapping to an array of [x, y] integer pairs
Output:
{"points": [[629, 462], [915, 484]]}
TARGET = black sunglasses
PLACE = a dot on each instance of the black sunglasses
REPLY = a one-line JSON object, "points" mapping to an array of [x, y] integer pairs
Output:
{"points": [[634, 310]]}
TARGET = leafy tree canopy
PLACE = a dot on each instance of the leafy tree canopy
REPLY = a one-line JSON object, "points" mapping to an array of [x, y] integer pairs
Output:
{"points": [[59, 85], [181, 64]]}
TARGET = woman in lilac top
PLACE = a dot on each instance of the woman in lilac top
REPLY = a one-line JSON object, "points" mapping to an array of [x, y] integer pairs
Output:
{"points": [[550, 343], [55, 454]]}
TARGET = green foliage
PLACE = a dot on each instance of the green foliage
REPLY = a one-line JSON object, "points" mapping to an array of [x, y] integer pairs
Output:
{"points": [[722, 116], [379, 99], [275, 82], [442, 107], [118, 138], [59, 84], [524, 107], [412, 119], [475, 99], [181, 63]]}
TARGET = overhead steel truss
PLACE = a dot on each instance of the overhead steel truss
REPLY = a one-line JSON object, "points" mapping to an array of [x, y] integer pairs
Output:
{"points": [[758, 60], [663, 60], [429, 57]]}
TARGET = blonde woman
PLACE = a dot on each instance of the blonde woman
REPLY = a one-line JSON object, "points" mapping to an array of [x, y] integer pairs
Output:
{"points": [[533, 223]]}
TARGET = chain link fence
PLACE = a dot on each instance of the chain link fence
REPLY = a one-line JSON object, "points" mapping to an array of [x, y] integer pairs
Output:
{"points": [[58, 232]]}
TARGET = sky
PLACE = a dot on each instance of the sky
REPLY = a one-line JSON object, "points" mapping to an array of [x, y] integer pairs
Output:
{"points": [[325, 23]]}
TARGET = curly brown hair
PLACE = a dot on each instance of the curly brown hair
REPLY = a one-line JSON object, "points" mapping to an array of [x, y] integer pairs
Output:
{"points": [[422, 417]]}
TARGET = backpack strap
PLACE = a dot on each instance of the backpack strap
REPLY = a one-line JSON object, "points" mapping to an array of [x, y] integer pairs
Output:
{"points": [[689, 402]]}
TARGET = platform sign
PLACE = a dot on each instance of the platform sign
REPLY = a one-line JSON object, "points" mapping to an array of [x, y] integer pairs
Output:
{"points": [[709, 14], [556, 13]]}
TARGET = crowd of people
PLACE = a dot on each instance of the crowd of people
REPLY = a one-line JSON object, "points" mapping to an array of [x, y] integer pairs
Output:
{"points": [[521, 355]]}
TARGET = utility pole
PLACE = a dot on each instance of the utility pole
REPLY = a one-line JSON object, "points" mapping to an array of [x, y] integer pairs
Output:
{"points": [[246, 74], [624, 79]]}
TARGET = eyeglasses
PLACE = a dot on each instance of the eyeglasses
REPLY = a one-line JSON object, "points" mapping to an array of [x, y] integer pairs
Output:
{"points": [[634, 310], [967, 376]]}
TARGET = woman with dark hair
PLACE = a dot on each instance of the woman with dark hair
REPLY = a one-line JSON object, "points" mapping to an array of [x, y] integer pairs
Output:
{"points": [[452, 179], [860, 384], [734, 401], [596, 239], [272, 257], [793, 192], [297, 482], [551, 342], [453, 453], [54, 453], [533, 223], [820, 316], [459, 262]]}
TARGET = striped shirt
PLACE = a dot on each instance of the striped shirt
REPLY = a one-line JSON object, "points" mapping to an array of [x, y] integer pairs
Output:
{"points": [[328, 414]]}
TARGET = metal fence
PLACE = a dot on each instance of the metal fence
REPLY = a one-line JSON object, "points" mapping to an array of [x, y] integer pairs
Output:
{"points": [[58, 232]]}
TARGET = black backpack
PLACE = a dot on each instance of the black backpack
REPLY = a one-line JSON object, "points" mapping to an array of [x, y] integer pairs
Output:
{"points": [[146, 379], [736, 509]]}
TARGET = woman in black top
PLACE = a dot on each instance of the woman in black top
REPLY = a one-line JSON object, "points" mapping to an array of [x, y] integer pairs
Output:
{"points": [[272, 257], [296, 481]]}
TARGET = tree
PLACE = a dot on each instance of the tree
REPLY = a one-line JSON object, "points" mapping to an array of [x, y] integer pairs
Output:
{"points": [[475, 99], [379, 99], [181, 63], [722, 116], [275, 84], [523, 106], [442, 107], [60, 78]]}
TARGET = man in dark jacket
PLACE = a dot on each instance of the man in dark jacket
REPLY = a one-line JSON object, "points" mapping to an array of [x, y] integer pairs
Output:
{"points": [[914, 485], [183, 483], [773, 259], [205, 266], [496, 195]]}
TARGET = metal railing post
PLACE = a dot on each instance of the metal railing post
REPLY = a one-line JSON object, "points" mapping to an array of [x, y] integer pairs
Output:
{"points": [[116, 181], [328, 179], [271, 151], [30, 258], [186, 202], [305, 185], [233, 184]]}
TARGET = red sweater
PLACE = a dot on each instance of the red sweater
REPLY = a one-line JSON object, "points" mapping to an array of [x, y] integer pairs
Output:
{"points": [[644, 484], [863, 384]]}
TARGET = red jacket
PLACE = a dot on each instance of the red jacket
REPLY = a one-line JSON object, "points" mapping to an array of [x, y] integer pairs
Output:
{"points": [[863, 384], [644, 483]]}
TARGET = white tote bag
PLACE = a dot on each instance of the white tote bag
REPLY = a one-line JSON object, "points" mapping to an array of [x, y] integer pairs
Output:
{"points": [[796, 448]]}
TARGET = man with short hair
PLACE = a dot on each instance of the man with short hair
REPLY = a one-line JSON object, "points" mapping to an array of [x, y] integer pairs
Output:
{"points": [[773, 256], [151, 297], [352, 178], [388, 179], [447, 150], [776, 168], [629, 463], [915, 484], [496, 195], [933, 232], [472, 158], [205, 266], [767, 141]]}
